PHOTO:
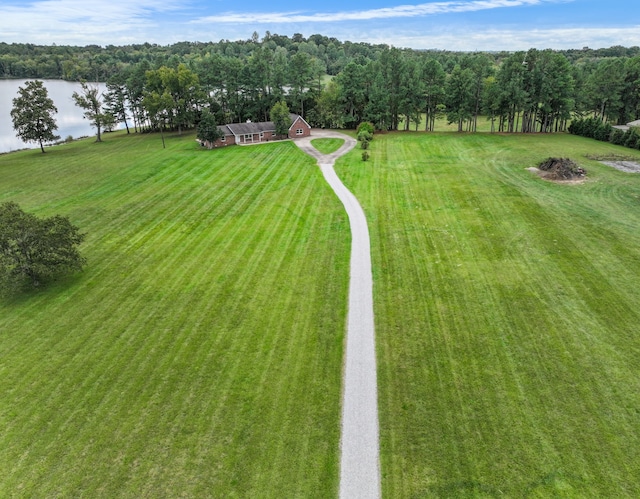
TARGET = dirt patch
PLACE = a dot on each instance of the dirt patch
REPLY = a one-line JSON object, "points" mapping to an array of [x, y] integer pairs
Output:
{"points": [[623, 166], [547, 176], [628, 164], [560, 170]]}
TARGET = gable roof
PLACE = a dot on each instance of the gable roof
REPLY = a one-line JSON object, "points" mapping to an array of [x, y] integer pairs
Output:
{"points": [[225, 129], [296, 117], [250, 128]]}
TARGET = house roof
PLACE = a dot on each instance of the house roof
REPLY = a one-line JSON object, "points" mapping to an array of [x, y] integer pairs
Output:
{"points": [[251, 128], [225, 129], [296, 117]]}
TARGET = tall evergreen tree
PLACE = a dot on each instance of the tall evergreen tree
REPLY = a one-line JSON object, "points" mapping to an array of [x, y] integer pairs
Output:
{"points": [[433, 78], [392, 66], [510, 80], [631, 93], [353, 89], [411, 92], [115, 100], [460, 92], [605, 86], [480, 65], [300, 76], [376, 110]]}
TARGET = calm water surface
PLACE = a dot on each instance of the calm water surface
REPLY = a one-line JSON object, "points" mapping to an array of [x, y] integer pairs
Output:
{"points": [[69, 116]]}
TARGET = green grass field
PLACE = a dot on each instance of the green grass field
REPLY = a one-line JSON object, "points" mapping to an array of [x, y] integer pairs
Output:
{"points": [[200, 352], [507, 316]]}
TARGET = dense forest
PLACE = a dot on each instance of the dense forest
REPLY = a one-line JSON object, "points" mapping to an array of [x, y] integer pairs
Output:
{"points": [[340, 84]]}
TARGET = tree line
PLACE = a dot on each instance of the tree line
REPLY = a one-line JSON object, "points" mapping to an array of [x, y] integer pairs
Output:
{"points": [[341, 84], [97, 63]]}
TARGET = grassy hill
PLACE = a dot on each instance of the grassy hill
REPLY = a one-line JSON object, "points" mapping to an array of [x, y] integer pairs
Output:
{"points": [[200, 352], [507, 315]]}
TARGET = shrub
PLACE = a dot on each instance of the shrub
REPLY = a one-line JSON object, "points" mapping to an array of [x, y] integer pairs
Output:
{"points": [[603, 132], [632, 139], [366, 126], [617, 137]]}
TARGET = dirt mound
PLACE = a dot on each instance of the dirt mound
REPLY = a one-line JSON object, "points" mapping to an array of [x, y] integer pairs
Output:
{"points": [[561, 169]]}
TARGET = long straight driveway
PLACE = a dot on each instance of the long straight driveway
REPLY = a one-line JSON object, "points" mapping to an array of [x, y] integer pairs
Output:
{"points": [[359, 442]]}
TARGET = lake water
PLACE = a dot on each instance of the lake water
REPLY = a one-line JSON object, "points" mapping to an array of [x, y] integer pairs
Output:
{"points": [[69, 116]]}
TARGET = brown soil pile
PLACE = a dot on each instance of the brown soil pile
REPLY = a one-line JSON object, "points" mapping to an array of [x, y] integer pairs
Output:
{"points": [[562, 169]]}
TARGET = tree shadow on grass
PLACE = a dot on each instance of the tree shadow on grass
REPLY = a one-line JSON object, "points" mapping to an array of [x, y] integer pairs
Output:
{"points": [[461, 489], [17, 290], [556, 484]]}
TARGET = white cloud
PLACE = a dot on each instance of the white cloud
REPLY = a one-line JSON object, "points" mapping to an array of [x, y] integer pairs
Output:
{"points": [[120, 22], [84, 21], [511, 39], [402, 11]]}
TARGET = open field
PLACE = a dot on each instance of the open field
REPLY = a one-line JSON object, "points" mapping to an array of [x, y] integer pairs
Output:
{"points": [[507, 316], [200, 352]]}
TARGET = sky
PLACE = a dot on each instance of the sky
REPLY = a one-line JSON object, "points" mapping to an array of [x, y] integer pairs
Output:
{"points": [[461, 25]]}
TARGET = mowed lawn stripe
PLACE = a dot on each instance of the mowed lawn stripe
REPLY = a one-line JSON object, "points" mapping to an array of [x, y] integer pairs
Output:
{"points": [[200, 352], [506, 317]]}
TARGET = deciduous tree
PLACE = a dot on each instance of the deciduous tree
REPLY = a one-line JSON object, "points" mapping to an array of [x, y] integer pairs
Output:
{"points": [[37, 248], [182, 88], [32, 114], [329, 108], [90, 99], [281, 118], [208, 130]]}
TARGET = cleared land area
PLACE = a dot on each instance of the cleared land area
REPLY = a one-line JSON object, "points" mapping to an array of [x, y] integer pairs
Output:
{"points": [[507, 313], [200, 352]]}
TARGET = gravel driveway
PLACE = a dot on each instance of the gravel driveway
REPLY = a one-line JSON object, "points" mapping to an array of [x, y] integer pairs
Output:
{"points": [[359, 445]]}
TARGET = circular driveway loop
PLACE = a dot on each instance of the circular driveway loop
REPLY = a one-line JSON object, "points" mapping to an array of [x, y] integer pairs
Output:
{"points": [[359, 446]]}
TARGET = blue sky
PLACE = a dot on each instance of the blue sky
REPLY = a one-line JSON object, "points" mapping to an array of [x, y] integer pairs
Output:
{"points": [[443, 24]]}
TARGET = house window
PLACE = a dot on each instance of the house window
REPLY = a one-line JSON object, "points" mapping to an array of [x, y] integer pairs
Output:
{"points": [[223, 139], [299, 131]]}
